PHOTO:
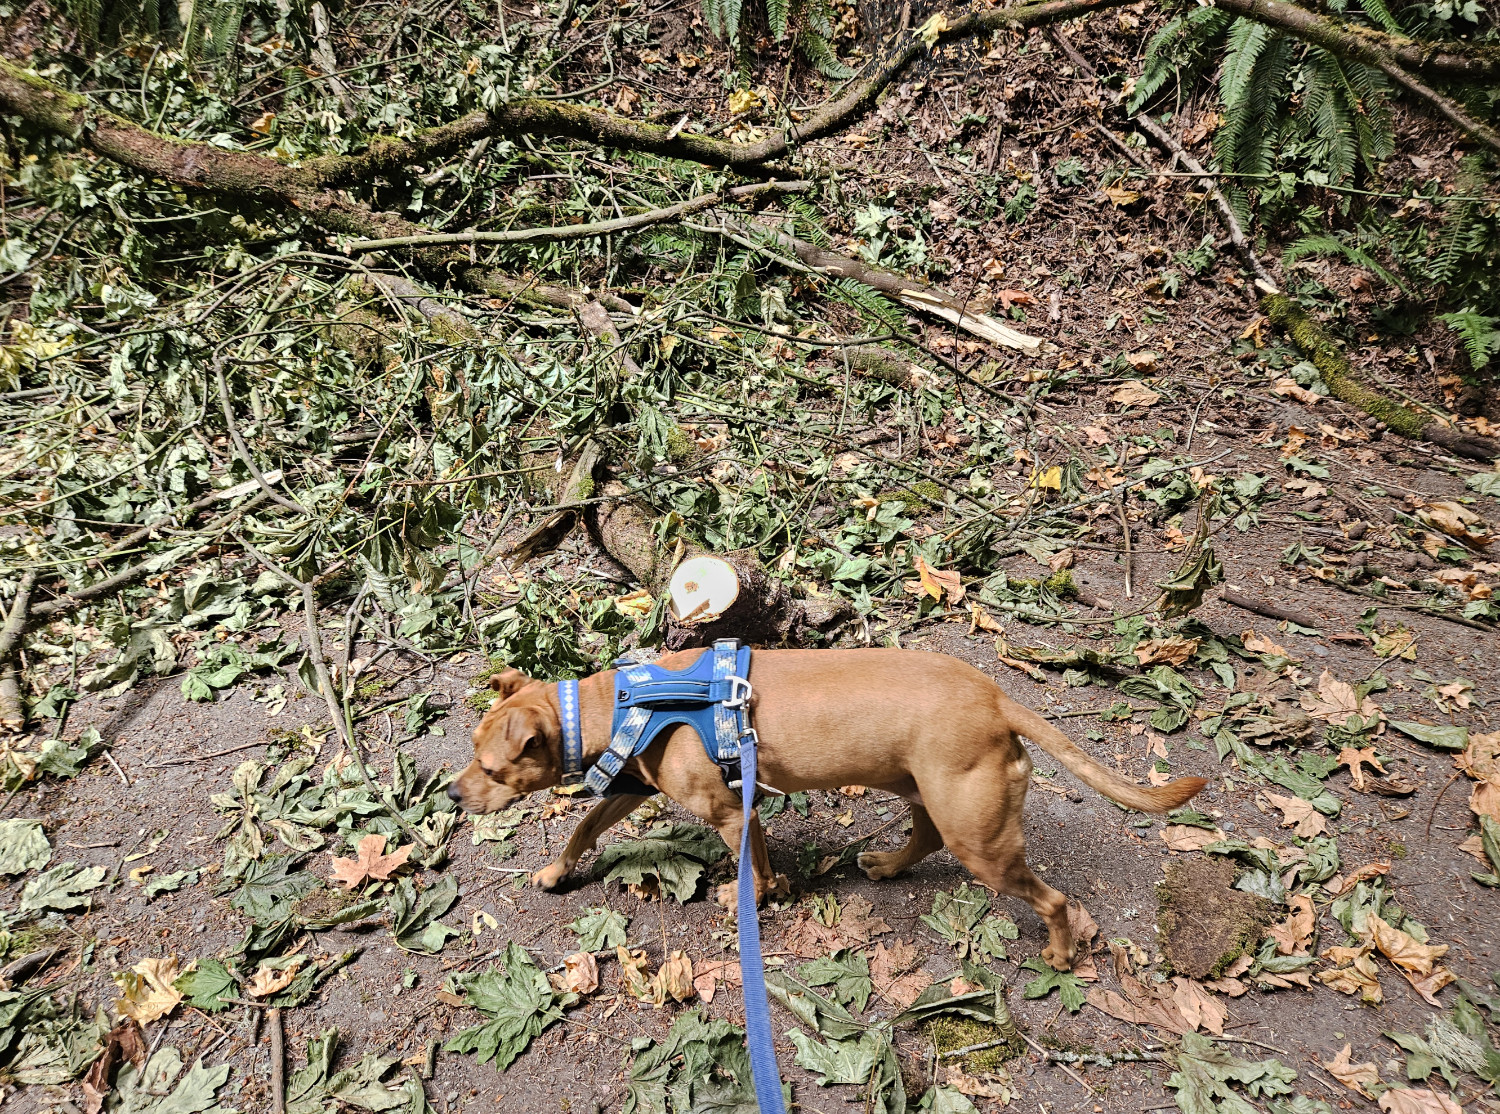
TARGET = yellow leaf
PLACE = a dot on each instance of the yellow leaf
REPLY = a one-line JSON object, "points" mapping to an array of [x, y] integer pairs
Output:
{"points": [[635, 605], [146, 989], [934, 27], [267, 980], [1119, 197], [674, 980], [1048, 479], [1404, 950], [743, 100], [261, 125]]}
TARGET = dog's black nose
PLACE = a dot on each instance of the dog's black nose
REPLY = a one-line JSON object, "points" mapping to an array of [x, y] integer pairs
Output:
{"points": [[455, 794]]}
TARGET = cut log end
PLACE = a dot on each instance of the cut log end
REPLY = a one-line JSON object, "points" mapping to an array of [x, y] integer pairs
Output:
{"points": [[701, 590]]}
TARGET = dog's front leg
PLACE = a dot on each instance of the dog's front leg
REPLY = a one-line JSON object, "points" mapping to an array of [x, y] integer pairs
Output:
{"points": [[603, 816]]}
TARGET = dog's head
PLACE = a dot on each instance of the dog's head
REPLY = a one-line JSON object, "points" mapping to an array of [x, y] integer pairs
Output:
{"points": [[516, 747]]}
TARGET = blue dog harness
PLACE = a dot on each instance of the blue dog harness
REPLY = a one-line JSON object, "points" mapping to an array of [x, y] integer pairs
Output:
{"points": [[712, 696]]}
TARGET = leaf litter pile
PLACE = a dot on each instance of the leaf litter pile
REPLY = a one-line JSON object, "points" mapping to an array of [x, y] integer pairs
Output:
{"points": [[279, 492]]}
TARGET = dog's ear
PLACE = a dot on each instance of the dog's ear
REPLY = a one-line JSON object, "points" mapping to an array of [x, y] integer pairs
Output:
{"points": [[508, 682], [523, 729]]}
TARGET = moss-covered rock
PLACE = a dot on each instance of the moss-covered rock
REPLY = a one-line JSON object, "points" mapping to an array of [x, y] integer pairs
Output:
{"points": [[1204, 923]]}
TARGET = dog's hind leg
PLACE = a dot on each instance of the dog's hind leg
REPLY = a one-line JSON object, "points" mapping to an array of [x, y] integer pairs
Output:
{"points": [[601, 818], [728, 820], [925, 839]]}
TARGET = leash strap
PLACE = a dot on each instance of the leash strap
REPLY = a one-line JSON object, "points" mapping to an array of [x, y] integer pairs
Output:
{"points": [[752, 966]]}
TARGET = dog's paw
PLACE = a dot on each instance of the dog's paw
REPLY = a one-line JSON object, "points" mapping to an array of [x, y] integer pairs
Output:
{"points": [[728, 895], [549, 877], [780, 888], [876, 865], [1057, 959]]}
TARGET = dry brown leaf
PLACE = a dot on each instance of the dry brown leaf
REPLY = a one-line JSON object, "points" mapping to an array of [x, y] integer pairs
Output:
{"points": [[674, 980], [1475, 846], [1119, 197], [895, 974], [1427, 986], [1356, 760], [1357, 1077], [1403, 950], [990, 1085], [371, 862], [707, 977], [1457, 521], [1185, 837], [1358, 977], [1258, 645], [1299, 815], [124, 1042], [581, 973], [1289, 388], [980, 619], [633, 972], [1293, 936], [1230, 988], [1484, 800], [858, 921], [1198, 1007], [1172, 650], [936, 583], [1140, 1004], [1008, 298], [1336, 702], [268, 980], [809, 939], [1097, 435], [146, 990], [1417, 1100], [1136, 393]]}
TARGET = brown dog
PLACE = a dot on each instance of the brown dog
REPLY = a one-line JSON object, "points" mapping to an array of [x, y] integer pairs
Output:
{"points": [[922, 725]]}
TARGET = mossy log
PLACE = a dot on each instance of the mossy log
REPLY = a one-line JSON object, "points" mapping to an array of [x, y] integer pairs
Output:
{"points": [[1327, 355]]}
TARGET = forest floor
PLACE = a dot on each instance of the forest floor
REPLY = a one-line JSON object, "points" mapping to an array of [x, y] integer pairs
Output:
{"points": [[1086, 268]]}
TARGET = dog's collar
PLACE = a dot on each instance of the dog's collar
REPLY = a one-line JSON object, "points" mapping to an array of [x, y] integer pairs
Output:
{"points": [[572, 733]]}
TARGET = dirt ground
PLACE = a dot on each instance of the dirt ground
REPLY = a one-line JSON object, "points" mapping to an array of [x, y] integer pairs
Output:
{"points": [[1107, 859], [167, 758]]}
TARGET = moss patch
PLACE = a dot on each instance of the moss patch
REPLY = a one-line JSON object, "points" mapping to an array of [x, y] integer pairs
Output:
{"points": [[919, 497], [950, 1033], [1205, 924], [679, 445], [1061, 585]]}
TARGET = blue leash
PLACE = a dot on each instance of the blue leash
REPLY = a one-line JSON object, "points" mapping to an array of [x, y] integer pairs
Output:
{"points": [[752, 966]]}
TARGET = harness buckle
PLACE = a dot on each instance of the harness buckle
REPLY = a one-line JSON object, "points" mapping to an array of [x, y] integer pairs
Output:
{"points": [[739, 692]]}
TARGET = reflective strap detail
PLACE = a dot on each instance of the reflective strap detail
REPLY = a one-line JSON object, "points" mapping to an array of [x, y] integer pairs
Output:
{"points": [[621, 747], [727, 718], [572, 732]]}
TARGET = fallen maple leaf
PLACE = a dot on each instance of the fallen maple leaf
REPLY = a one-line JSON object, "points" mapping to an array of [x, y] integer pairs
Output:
{"points": [[1172, 650], [146, 990], [1185, 837], [1484, 800], [581, 973], [936, 583], [1402, 949], [895, 974], [1457, 521], [1357, 1077], [1293, 936], [674, 980], [269, 980], [1258, 645], [980, 619], [1299, 815], [1358, 977], [1135, 393], [1008, 298], [1288, 388], [1198, 1007], [633, 972], [1481, 759], [708, 976], [1417, 1100], [1336, 701], [1356, 760], [371, 862]]}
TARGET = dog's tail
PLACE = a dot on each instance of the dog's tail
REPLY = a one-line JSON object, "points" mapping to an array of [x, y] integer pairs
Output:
{"points": [[1160, 798]]}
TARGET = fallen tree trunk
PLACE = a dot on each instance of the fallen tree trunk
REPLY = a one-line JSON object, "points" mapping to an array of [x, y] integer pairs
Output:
{"points": [[1333, 365]]}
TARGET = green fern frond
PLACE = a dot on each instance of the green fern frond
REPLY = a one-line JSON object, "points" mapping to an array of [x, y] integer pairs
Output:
{"points": [[874, 305], [1324, 244], [778, 12], [809, 222], [1179, 51], [1381, 16], [1479, 332], [817, 50]]}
